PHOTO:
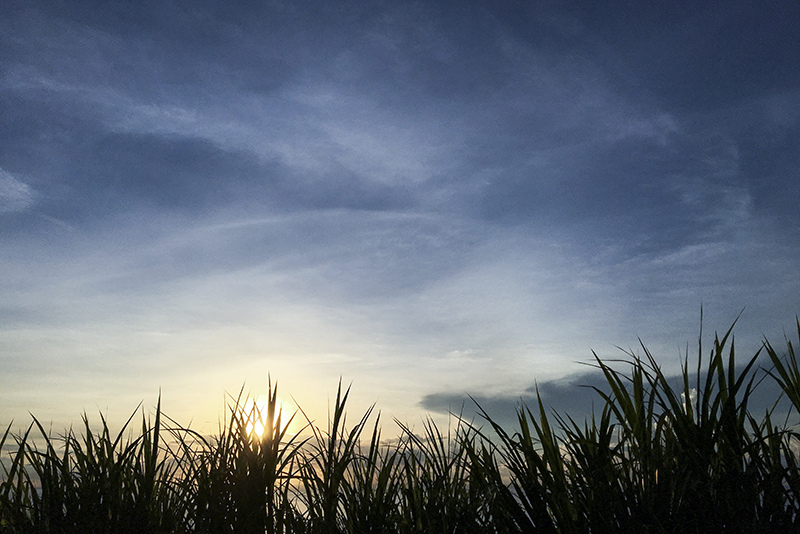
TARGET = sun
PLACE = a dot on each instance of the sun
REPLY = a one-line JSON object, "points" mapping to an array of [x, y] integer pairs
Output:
{"points": [[255, 414]]}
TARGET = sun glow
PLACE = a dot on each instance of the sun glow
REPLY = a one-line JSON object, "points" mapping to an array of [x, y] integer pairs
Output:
{"points": [[257, 417]]}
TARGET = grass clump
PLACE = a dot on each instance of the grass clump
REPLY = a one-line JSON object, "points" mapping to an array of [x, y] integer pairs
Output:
{"points": [[90, 482], [658, 455]]}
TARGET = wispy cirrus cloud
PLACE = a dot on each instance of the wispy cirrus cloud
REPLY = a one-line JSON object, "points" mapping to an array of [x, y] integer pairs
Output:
{"points": [[15, 195]]}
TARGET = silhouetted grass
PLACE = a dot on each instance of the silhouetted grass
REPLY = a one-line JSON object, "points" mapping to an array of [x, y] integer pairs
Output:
{"points": [[654, 457]]}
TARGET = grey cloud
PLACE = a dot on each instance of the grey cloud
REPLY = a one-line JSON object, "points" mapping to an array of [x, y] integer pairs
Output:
{"points": [[573, 396], [577, 396]]}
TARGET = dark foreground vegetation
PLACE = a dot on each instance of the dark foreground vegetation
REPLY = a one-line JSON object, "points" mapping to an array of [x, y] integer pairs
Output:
{"points": [[652, 458]]}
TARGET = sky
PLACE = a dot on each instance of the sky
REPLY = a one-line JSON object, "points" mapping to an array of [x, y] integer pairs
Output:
{"points": [[426, 200]]}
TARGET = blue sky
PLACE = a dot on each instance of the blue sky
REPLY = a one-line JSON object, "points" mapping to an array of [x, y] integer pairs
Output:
{"points": [[424, 199]]}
